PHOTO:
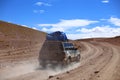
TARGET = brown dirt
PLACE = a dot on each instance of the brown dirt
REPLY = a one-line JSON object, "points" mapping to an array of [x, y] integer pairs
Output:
{"points": [[18, 43], [100, 58]]}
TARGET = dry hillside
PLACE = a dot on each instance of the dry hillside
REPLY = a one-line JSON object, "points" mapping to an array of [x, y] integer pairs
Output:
{"points": [[18, 42]]}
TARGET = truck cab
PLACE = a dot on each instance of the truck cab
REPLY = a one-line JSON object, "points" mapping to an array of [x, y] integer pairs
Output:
{"points": [[71, 53]]}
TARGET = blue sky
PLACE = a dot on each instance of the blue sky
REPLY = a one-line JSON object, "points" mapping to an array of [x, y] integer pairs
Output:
{"points": [[77, 18]]}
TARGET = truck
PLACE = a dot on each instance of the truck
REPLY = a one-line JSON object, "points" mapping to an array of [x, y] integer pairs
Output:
{"points": [[58, 50]]}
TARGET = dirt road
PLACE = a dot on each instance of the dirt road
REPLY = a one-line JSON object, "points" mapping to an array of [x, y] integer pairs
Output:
{"points": [[99, 61]]}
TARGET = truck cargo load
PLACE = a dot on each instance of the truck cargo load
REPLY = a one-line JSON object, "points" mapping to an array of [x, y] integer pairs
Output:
{"points": [[56, 36]]}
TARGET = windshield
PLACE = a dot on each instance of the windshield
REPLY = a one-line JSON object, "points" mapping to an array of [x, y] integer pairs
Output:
{"points": [[68, 45]]}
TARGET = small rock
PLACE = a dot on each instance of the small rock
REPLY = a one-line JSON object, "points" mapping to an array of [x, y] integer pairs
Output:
{"points": [[57, 78], [96, 72], [67, 72], [51, 77]]}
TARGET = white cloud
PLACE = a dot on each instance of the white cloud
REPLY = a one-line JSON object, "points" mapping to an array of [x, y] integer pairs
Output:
{"points": [[64, 25], [34, 28], [24, 25], [39, 11], [52, 29], [83, 32], [90, 35], [96, 29], [39, 3], [115, 21], [105, 1], [42, 4], [99, 31]]}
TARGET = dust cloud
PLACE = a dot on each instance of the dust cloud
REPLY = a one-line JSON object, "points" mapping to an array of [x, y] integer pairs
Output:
{"points": [[17, 70], [32, 68], [58, 70]]}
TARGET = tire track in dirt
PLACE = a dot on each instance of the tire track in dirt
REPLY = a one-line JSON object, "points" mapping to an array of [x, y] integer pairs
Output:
{"points": [[86, 66], [99, 67], [89, 54], [110, 68], [34, 75], [100, 61]]}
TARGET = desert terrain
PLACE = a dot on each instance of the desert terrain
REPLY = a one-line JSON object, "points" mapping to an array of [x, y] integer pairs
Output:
{"points": [[20, 46]]}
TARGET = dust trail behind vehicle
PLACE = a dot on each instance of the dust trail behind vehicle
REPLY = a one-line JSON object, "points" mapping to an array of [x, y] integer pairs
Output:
{"points": [[25, 70]]}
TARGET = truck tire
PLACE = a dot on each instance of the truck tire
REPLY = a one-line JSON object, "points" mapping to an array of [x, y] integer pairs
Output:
{"points": [[68, 61], [78, 58], [43, 64]]}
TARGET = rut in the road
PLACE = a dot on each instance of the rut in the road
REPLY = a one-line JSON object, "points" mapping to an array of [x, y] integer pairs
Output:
{"points": [[100, 61]]}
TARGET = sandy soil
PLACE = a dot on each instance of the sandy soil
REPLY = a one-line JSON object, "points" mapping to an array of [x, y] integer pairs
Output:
{"points": [[100, 61]]}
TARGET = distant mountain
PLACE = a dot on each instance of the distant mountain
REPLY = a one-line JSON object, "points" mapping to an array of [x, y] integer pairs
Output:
{"points": [[117, 37], [114, 40]]}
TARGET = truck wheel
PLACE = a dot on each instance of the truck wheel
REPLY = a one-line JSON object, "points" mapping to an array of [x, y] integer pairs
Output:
{"points": [[68, 61], [43, 64], [78, 58]]}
